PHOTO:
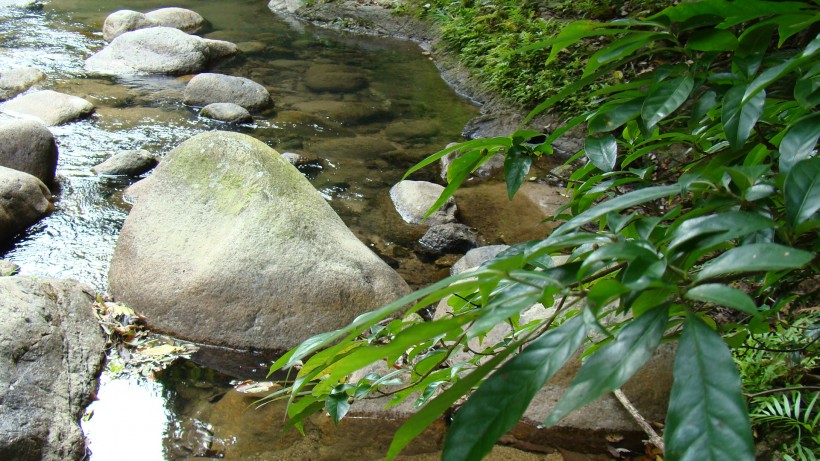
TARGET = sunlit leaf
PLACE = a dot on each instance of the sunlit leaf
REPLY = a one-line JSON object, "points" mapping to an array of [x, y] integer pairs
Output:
{"points": [[602, 151], [612, 365], [503, 398], [707, 418], [665, 98], [755, 257]]}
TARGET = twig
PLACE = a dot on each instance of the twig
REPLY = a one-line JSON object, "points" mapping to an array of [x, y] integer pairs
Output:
{"points": [[654, 438], [784, 389]]}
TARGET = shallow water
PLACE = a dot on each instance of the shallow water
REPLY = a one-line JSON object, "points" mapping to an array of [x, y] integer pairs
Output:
{"points": [[361, 157]]}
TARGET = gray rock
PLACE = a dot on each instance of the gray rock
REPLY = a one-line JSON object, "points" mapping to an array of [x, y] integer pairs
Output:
{"points": [[412, 199], [127, 163], [346, 112], [49, 107], [450, 238], [335, 78], [19, 3], [476, 257], [28, 146], [183, 19], [288, 6], [51, 352], [8, 268], [24, 199], [229, 244], [226, 112], [15, 81], [207, 88], [158, 50], [119, 22]]}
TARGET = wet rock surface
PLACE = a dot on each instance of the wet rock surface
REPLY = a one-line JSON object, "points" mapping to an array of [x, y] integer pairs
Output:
{"points": [[226, 112], [15, 81], [209, 88], [49, 107], [127, 163], [28, 146], [24, 199], [413, 198], [51, 352], [122, 21]]}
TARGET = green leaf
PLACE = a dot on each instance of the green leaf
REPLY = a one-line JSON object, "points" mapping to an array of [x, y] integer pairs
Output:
{"points": [[802, 190], [707, 418], [664, 98], [807, 91], [613, 364], [621, 48], [482, 143], [502, 399], [605, 121], [337, 406], [707, 231], [755, 257], [740, 118], [712, 40], [516, 166], [723, 295], [602, 151], [800, 142], [703, 105]]}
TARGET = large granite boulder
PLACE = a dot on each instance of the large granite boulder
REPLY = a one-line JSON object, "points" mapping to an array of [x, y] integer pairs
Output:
{"points": [[229, 244], [158, 50], [15, 81], [51, 352], [24, 199], [208, 88], [49, 107], [119, 22], [28, 146]]}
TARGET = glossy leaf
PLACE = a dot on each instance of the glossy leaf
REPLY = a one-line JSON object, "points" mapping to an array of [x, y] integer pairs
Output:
{"points": [[602, 151], [707, 418], [502, 399], [337, 405], [707, 231], [755, 258], [807, 91], [723, 295], [802, 190], [516, 166], [712, 40], [800, 142], [612, 365], [738, 118], [621, 48], [615, 117], [665, 98]]}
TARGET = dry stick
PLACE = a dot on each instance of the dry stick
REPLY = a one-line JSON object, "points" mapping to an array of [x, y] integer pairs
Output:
{"points": [[654, 438]]}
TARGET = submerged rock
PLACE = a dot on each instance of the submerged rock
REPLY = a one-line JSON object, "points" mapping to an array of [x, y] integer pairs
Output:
{"points": [[119, 22], [208, 88], [226, 112], [412, 199], [8, 268], [51, 352], [28, 146], [127, 163], [450, 238], [15, 81], [24, 199], [335, 78], [229, 244], [158, 50], [49, 107]]}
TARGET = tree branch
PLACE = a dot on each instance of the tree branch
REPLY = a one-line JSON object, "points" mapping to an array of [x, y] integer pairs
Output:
{"points": [[654, 438]]}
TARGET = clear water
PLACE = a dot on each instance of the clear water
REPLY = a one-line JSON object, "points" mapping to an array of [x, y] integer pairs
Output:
{"points": [[137, 418]]}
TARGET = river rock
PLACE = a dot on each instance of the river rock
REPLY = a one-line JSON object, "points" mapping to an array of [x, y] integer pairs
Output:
{"points": [[412, 199], [8, 268], [228, 244], [119, 22], [335, 78], [290, 6], [24, 199], [450, 238], [158, 50], [19, 3], [346, 112], [15, 81], [127, 163], [226, 112], [206, 88], [412, 130], [51, 352], [49, 107], [28, 146], [476, 257]]}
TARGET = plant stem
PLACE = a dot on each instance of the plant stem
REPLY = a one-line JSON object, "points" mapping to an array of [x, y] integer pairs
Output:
{"points": [[654, 438], [782, 389]]}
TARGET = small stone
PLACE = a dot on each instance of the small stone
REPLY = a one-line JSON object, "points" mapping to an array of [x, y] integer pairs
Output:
{"points": [[450, 238], [226, 112], [127, 163]]}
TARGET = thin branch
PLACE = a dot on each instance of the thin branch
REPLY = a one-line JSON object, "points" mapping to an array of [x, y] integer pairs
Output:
{"points": [[654, 438], [782, 389]]}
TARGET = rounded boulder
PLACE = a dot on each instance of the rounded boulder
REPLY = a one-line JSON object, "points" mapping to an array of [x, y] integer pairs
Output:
{"points": [[228, 244], [28, 146], [24, 199], [210, 88]]}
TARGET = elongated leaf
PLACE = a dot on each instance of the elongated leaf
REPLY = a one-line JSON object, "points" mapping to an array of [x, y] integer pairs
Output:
{"points": [[755, 258], [711, 230], [807, 91], [751, 9], [416, 424], [482, 143], [802, 189], [707, 418], [740, 118], [499, 402], [613, 118], [621, 48], [723, 295], [602, 151], [665, 98], [613, 364], [516, 167], [712, 40], [628, 200], [800, 142]]}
